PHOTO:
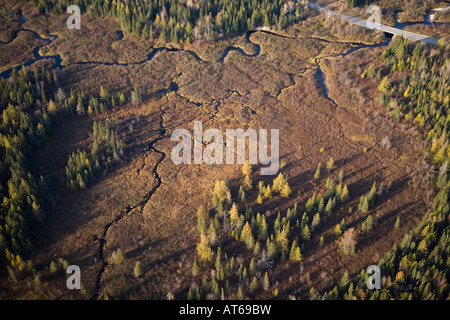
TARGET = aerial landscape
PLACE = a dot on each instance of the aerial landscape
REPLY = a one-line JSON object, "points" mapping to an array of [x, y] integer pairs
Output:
{"points": [[121, 178]]}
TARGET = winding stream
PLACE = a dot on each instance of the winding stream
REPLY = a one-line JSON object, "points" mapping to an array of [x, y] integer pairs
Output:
{"points": [[58, 61], [129, 208]]}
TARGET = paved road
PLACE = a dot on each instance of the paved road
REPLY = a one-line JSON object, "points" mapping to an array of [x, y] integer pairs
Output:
{"points": [[366, 24]]}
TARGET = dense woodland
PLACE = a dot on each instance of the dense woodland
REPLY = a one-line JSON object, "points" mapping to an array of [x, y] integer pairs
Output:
{"points": [[26, 124]]}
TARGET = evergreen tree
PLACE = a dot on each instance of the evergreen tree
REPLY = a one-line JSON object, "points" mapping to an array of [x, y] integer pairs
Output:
{"points": [[204, 250], [337, 231], [330, 164], [253, 285], [397, 224], [316, 221], [384, 85], [240, 294], [306, 234], [234, 214], [247, 168], [138, 269], [317, 174], [286, 191], [364, 204], [267, 192], [195, 268], [266, 284], [344, 194]]}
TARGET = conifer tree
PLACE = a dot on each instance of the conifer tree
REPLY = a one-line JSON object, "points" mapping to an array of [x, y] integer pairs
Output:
{"points": [[365, 204], [247, 183], [337, 231], [317, 174], [344, 194], [195, 268], [286, 191], [330, 164], [234, 214], [252, 267], [257, 249], [329, 206], [266, 284], [315, 222], [267, 192], [240, 294], [306, 234], [247, 168], [397, 223], [204, 250], [278, 183], [341, 176], [271, 250], [191, 295], [253, 285], [384, 85], [138, 269], [246, 232], [259, 200]]}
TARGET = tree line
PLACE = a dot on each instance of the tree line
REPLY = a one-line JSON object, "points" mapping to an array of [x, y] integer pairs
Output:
{"points": [[185, 21]]}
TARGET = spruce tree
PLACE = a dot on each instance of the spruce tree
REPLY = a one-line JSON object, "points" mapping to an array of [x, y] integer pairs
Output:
{"points": [[138, 269], [397, 223], [195, 268], [266, 284]]}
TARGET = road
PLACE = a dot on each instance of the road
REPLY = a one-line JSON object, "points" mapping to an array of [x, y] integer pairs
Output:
{"points": [[367, 24]]}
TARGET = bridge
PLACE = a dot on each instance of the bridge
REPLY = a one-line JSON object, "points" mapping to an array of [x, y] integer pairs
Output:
{"points": [[371, 25]]}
